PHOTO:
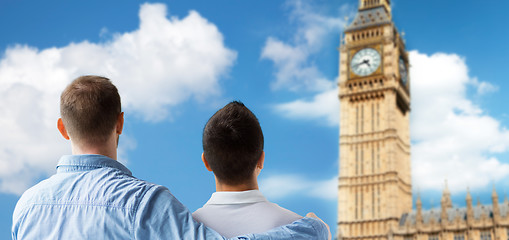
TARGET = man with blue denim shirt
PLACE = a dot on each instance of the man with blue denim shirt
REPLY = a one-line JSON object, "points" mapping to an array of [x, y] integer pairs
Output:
{"points": [[92, 196]]}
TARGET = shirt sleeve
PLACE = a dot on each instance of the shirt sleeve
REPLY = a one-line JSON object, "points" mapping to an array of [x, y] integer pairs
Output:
{"points": [[302, 229], [161, 216]]}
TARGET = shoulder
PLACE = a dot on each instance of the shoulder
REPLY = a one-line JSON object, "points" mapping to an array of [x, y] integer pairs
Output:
{"points": [[197, 212], [134, 193], [31, 195], [115, 187], [105, 187], [280, 212], [201, 214], [159, 214]]}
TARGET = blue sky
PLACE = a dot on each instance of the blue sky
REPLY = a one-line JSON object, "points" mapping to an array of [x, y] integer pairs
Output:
{"points": [[177, 62]]}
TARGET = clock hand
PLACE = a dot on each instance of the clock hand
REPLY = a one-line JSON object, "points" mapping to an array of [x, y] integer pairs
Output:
{"points": [[363, 62], [358, 64]]}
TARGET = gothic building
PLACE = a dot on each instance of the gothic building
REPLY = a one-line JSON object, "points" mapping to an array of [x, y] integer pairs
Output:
{"points": [[375, 189], [450, 223]]}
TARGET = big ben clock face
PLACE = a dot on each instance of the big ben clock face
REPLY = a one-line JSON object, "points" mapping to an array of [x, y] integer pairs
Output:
{"points": [[365, 62]]}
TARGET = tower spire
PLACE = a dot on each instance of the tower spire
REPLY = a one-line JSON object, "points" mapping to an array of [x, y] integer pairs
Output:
{"points": [[494, 192], [418, 203], [470, 208], [496, 209], [445, 202], [446, 197]]}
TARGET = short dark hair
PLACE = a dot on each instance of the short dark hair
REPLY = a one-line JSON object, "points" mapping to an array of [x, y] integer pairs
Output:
{"points": [[233, 143], [90, 106]]}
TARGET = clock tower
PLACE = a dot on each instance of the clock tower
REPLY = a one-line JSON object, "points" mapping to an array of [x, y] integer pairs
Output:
{"points": [[374, 144]]}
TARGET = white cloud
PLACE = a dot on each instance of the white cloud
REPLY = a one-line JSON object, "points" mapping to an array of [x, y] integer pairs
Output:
{"points": [[286, 185], [164, 62], [484, 87], [453, 138], [295, 69], [324, 105]]}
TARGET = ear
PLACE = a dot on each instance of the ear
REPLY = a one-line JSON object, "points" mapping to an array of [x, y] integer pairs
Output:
{"points": [[120, 123], [61, 128], [205, 162], [261, 161]]}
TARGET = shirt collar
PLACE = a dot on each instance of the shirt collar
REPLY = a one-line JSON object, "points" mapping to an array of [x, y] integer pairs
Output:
{"points": [[87, 162], [251, 196]]}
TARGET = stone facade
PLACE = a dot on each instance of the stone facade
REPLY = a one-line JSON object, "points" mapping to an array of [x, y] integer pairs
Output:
{"points": [[374, 174]]}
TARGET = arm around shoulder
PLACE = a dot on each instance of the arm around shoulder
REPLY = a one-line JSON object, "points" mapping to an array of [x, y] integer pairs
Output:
{"points": [[161, 216]]}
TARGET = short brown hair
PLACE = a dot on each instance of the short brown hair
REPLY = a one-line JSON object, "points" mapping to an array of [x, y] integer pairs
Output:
{"points": [[233, 143], [90, 107]]}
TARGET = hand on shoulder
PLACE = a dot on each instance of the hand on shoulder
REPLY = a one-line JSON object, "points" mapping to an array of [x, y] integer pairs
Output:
{"points": [[312, 215]]}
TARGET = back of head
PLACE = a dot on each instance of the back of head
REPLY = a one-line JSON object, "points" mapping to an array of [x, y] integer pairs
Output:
{"points": [[233, 143], [90, 107]]}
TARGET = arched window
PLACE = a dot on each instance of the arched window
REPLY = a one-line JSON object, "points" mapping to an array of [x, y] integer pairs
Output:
{"points": [[433, 237], [356, 205], [372, 117], [357, 119], [362, 118], [356, 160], [486, 235]]}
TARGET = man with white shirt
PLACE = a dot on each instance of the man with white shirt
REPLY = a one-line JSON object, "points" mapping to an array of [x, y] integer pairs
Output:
{"points": [[233, 150]]}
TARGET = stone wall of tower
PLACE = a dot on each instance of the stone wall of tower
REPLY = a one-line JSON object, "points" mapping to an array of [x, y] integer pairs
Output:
{"points": [[375, 178]]}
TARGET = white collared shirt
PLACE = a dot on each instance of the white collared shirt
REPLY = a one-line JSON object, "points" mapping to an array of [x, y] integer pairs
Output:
{"points": [[237, 213]]}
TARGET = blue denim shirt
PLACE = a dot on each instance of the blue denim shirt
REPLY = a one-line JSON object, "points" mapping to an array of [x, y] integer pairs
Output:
{"points": [[96, 197]]}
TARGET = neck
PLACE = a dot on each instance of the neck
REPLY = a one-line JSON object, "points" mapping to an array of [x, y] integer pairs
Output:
{"points": [[108, 149], [251, 185]]}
